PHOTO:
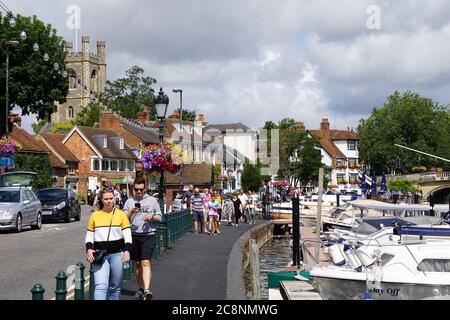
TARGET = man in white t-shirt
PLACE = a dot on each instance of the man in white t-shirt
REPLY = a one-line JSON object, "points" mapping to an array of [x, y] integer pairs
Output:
{"points": [[243, 197]]}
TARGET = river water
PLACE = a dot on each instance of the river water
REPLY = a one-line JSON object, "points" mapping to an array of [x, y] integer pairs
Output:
{"points": [[273, 257]]}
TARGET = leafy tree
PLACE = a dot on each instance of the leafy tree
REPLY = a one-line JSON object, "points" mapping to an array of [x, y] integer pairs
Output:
{"points": [[38, 125], [127, 95], [403, 185], [34, 84], [89, 115], [62, 126], [410, 120], [188, 115], [35, 163], [215, 172], [251, 177]]}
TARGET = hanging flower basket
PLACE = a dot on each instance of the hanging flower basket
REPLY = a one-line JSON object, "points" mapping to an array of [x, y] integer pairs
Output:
{"points": [[166, 158], [9, 147], [280, 184], [222, 177]]}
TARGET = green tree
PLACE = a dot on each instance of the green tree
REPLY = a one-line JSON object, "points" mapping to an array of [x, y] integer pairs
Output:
{"points": [[410, 120], [127, 95], [251, 177], [89, 115], [62, 127], [37, 126], [188, 115], [38, 163], [34, 84]]}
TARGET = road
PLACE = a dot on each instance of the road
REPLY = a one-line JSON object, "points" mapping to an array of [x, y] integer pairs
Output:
{"points": [[36, 256]]}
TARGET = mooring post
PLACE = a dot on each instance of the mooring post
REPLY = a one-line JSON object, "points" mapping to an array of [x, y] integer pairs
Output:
{"points": [[319, 212], [296, 254]]}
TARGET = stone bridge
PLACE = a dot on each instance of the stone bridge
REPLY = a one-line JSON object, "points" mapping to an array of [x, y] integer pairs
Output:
{"points": [[430, 182]]}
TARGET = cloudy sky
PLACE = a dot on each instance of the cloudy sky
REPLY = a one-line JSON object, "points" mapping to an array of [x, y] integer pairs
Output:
{"points": [[257, 60]]}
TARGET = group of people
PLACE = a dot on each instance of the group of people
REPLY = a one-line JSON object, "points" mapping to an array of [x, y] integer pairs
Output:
{"points": [[127, 231], [208, 208], [123, 234]]}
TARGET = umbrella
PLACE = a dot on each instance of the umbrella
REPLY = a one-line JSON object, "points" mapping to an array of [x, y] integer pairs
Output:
{"points": [[374, 183], [363, 184], [383, 187]]}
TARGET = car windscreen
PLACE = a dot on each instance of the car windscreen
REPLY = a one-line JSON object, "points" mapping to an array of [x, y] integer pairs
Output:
{"points": [[51, 195], [9, 196]]}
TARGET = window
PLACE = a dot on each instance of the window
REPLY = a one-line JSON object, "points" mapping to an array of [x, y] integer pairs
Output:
{"points": [[340, 176], [351, 144], [131, 165], [353, 176], [113, 165], [352, 160], [340, 161], [122, 165], [70, 112], [73, 167], [96, 165], [105, 165], [434, 265], [105, 142]]}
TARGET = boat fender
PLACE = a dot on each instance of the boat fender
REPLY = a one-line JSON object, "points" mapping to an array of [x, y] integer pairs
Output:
{"points": [[365, 255], [354, 261], [335, 253]]}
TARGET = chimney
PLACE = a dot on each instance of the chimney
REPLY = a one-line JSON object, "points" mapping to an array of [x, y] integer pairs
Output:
{"points": [[175, 114], [301, 126], [142, 117], [348, 128], [15, 118], [324, 125], [109, 120], [201, 118]]}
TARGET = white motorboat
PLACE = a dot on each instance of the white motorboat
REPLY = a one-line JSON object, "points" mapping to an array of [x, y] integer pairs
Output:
{"points": [[385, 266]]}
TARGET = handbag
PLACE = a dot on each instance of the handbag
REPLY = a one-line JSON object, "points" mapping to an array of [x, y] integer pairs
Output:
{"points": [[100, 254]]}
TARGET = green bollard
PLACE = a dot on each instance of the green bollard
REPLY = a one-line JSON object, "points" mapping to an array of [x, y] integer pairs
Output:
{"points": [[91, 283], [61, 288], [79, 281], [37, 292]]}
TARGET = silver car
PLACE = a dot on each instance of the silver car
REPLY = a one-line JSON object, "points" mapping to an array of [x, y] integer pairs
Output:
{"points": [[19, 207]]}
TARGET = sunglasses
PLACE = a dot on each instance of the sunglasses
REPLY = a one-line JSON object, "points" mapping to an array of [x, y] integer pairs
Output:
{"points": [[139, 189]]}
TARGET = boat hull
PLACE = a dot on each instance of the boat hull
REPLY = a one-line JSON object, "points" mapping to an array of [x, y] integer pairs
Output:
{"points": [[345, 289]]}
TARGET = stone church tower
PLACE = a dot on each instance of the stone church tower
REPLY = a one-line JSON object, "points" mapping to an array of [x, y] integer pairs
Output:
{"points": [[87, 79]]}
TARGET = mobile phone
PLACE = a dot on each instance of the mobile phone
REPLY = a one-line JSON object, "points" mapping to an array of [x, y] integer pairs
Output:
{"points": [[137, 205]]}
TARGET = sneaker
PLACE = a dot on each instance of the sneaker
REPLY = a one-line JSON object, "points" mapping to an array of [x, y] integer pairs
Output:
{"points": [[148, 295], [207, 232], [214, 233], [218, 232], [139, 295]]}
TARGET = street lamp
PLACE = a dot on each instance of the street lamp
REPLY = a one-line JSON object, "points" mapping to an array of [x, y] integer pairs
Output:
{"points": [[161, 103], [11, 43], [180, 91]]}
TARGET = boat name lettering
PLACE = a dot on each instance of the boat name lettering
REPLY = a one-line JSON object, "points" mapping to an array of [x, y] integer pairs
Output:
{"points": [[393, 292]]}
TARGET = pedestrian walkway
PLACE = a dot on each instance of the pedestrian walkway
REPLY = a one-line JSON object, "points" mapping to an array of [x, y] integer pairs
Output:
{"points": [[195, 268]]}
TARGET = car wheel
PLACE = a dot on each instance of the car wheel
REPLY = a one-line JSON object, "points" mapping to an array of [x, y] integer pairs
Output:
{"points": [[38, 224], [67, 217], [18, 227], [78, 217]]}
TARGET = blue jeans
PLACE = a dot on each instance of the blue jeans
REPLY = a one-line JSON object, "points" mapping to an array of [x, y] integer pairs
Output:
{"points": [[108, 277], [251, 214]]}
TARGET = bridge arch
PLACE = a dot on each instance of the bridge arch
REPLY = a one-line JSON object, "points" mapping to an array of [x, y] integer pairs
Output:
{"points": [[441, 193]]}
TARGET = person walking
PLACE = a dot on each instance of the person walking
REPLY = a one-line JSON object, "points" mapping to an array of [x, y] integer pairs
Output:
{"points": [[237, 205], [213, 215], [227, 209], [108, 229], [198, 210], [218, 197], [187, 196], [243, 197], [251, 207], [144, 212]]}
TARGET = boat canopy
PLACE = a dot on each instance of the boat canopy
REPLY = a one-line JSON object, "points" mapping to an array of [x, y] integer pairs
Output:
{"points": [[382, 206]]}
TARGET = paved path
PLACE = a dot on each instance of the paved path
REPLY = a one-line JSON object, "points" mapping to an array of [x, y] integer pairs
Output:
{"points": [[194, 269]]}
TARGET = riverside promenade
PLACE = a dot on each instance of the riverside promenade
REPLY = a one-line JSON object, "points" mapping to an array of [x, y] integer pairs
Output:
{"points": [[196, 268]]}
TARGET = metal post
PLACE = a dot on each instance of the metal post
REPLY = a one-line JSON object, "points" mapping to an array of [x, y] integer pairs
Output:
{"points": [[319, 211], [61, 288], [37, 292], [7, 91], [91, 283], [295, 229], [79, 281]]}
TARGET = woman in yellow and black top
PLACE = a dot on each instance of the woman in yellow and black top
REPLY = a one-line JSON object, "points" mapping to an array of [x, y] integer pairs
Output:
{"points": [[108, 275]]}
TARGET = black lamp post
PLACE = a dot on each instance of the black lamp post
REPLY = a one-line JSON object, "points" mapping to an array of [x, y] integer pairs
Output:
{"points": [[12, 43], [161, 103]]}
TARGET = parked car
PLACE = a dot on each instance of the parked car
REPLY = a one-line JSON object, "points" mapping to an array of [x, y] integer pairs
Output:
{"points": [[19, 207], [59, 204]]}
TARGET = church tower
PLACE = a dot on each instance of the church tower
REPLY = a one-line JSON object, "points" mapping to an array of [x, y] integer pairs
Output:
{"points": [[87, 79]]}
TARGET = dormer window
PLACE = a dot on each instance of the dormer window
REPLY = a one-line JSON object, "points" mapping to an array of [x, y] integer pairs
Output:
{"points": [[105, 142], [351, 144], [121, 144]]}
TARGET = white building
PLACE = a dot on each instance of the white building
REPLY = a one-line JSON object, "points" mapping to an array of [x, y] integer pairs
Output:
{"points": [[340, 155]]}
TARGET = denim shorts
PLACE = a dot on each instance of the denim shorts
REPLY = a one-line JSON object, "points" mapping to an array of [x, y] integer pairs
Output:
{"points": [[198, 215]]}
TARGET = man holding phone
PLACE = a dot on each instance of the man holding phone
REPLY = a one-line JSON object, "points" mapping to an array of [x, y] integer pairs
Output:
{"points": [[143, 211]]}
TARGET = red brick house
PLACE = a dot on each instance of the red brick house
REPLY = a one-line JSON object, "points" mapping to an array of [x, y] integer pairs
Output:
{"points": [[104, 157]]}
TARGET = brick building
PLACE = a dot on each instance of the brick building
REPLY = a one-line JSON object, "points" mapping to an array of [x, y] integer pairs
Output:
{"points": [[104, 157]]}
